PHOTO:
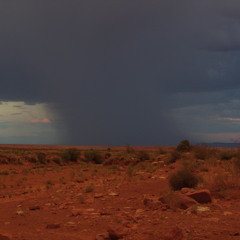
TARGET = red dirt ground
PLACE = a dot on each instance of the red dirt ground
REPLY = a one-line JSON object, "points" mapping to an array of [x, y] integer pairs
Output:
{"points": [[85, 201]]}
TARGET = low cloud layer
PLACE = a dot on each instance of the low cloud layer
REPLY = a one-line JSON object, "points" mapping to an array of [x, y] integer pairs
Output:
{"points": [[123, 72]]}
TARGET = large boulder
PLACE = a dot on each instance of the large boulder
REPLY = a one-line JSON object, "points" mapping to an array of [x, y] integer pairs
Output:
{"points": [[177, 200], [201, 196], [4, 237]]}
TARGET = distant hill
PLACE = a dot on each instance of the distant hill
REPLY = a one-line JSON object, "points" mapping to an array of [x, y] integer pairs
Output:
{"points": [[221, 144]]}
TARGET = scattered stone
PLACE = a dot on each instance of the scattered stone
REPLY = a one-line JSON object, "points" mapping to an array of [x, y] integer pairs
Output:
{"points": [[202, 209], [102, 236], [175, 234], [33, 208], [76, 212], [201, 196], [105, 213], [227, 213], [178, 200], [20, 212], [186, 190], [53, 226], [79, 211], [71, 225], [152, 203], [98, 195], [235, 234], [113, 194], [115, 234], [139, 212], [197, 209]]}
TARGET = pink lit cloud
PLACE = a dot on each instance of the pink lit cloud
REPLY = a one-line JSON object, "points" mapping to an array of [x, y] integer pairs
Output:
{"points": [[44, 120], [230, 119]]}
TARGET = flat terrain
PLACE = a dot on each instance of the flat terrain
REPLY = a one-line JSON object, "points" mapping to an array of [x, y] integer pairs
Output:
{"points": [[42, 197]]}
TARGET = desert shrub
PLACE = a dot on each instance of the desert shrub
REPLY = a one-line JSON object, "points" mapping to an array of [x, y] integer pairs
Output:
{"points": [[42, 158], [129, 149], [54, 158], [13, 158], [183, 178], [236, 163], [201, 152], [4, 172], [162, 151], [184, 146], [192, 164], [93, 156], [31, 157], [146, 166], [174, 156], [142, 155], [221, 182], [70, 154], [226, 154]]}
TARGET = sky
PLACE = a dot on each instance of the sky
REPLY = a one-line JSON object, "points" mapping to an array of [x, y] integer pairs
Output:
{"points": [[116, 72]]}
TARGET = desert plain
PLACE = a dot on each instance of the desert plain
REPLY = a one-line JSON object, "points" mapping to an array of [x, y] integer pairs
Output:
{"points": [[110, 193]]}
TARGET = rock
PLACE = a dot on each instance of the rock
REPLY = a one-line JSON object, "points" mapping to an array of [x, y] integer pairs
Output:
{"points": [[115, 234], [53, 226], [201, 196], [175, 234], [20, 212], [76, 212], [102, 236], [186, 190], [3, 237], [33, 208], [113, 194], [98, 195], [152, 203], [79, 211], [139, 212], [178, 200], [227, 213], [202, 209]]}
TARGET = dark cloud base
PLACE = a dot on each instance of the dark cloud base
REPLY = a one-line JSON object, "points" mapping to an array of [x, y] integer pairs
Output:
{"points": [[112, 69]]}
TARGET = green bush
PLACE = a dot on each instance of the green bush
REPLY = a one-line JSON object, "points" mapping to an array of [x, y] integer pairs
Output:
{"points": [[93, 156], [183, 178], [184, 146], [71, 154]]}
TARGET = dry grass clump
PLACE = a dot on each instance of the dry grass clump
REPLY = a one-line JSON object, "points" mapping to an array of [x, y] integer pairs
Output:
{"points": [[70, 155], [203, 152], [221, 181], [93, 156], [226, 154], [183, 178]]}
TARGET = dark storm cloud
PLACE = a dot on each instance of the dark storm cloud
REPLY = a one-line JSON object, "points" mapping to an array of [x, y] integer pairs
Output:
{"points": [[113, 68]]}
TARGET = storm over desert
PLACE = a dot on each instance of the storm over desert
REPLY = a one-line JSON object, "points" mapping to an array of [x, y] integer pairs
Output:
{"points": [[119, 120]]}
